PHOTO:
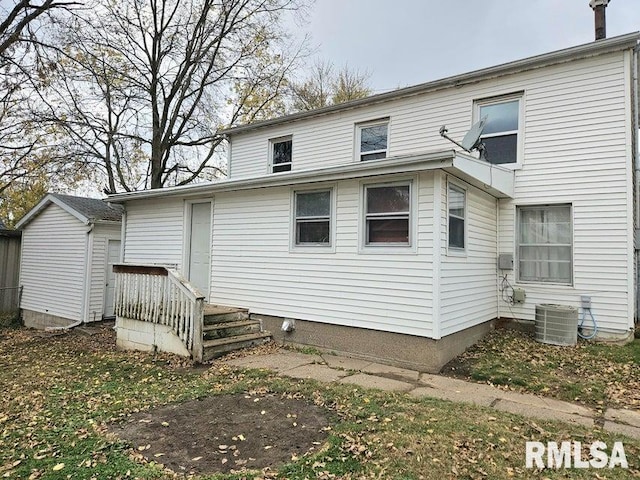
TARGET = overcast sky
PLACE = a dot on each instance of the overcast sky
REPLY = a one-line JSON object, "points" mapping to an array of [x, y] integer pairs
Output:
{"points": [[406, 42]]}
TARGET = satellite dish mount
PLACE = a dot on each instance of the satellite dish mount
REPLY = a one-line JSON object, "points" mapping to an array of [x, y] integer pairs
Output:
{"points": [[471, 140]]}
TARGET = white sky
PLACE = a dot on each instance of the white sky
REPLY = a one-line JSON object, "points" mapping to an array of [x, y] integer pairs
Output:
{"points": [[406, 42]]}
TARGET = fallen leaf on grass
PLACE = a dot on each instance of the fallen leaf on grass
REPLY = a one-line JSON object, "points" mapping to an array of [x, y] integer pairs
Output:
{"points": [[58, 467]]}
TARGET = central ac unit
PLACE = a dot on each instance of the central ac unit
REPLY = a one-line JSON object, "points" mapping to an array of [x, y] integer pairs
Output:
{"points": [[556, 324]]}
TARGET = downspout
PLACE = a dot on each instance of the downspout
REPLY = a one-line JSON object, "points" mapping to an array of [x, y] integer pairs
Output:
{"points": [[88, 254], [498, 298], [635, 105]]}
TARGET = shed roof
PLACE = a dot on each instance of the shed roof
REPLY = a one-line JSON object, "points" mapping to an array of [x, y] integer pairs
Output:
{"points": [[87, 210]]}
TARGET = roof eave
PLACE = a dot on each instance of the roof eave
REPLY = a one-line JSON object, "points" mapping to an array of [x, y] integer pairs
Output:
{"points": [[496, 180], [44, 203]]}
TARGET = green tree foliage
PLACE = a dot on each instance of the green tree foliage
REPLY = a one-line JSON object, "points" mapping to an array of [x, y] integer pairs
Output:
{"points": [[21, 196]]}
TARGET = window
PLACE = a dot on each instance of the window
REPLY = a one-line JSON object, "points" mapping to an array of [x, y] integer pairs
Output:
{"points": [[372, 140], [281, 151], [456, 199], [545, 244], [500, 135], [313, 217], [387, 212]]}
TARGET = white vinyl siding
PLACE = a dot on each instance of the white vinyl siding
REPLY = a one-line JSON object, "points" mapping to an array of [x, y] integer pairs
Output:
{"points": [[101, 234], [468, 282], [415, 122], [575, 137], [154, 232], [575, 153], [253, 268], [53, 267]]}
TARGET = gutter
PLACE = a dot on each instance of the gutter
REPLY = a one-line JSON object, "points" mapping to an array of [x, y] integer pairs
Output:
{"points": [[560, 56]]}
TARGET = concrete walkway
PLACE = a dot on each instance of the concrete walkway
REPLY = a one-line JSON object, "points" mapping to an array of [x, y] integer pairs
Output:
{"points": [[333, 368]]}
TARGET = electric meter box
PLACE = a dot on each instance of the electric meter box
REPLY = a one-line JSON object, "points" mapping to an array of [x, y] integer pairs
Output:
{"points": [[505, 261]]}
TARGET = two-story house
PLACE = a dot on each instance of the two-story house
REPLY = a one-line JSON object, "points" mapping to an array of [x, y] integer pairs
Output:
{"points": [[360, 229]]}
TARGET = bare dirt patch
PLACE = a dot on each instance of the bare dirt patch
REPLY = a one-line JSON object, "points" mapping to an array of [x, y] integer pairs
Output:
{"points": [[227, 433]]}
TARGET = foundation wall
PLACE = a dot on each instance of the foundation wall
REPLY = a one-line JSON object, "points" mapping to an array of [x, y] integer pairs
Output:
{"points": [[146, 337], [40, 320], [399, 350]]}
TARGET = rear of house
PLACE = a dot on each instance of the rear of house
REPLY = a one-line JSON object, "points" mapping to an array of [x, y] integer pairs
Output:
{"points": [[361, 228], [68, 246]]}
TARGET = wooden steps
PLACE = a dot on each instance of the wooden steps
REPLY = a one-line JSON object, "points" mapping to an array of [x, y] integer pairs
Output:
{"points": [[227, 329]]}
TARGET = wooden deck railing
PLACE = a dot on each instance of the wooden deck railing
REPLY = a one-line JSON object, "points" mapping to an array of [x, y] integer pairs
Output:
{"points": [[161, 295]]}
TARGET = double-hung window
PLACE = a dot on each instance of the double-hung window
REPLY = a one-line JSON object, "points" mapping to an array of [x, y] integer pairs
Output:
{"points": [[281, 154], [312, 217], [545, 244], [456, 200], [501, 135], [372, 140], [387, 214]]}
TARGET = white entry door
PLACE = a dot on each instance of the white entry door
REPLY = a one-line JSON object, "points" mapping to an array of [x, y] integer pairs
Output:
{"points": [[113, 257], [200, 247]]}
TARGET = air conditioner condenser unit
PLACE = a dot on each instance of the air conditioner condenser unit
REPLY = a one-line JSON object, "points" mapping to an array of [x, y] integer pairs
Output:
{"points": [[556, 324]]}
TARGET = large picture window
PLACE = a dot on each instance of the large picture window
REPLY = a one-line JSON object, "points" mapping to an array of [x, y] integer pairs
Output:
{"points": [[372, 139], [313, 217], [545, 244], [502, 130], [387, 214]]}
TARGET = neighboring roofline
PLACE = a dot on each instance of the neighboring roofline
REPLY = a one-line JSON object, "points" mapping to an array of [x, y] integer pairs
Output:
{"points": [[48, 199], [444, 159], [568, 54]]}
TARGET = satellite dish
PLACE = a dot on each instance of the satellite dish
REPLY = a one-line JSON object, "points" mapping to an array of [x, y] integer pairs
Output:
{"points": [[471, 140]]}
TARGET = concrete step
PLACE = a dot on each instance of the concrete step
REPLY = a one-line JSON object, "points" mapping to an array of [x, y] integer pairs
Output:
{"points": [[220, 346], [230, 329], [219, 314]]}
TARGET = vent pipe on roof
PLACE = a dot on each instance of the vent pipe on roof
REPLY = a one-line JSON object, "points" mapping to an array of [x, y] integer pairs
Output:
{"points": [[599, 7]]}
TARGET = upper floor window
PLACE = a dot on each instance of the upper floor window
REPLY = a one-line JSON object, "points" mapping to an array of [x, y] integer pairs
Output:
{"points": [[545, 244], [313, 217], [281, 154], [372, 140], [456, 199], [501, 135], [387, 214]]}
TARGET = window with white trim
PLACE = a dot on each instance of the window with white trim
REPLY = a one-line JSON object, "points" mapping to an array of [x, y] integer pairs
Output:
{"points": [[281, 154], [372, 140], [545, 244], [501, 135], [456, 203], [387, 214], [312, 217]]}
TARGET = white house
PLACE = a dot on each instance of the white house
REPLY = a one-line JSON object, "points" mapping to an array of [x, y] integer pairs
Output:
{"points": [[69, 245], [375, 236]]}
